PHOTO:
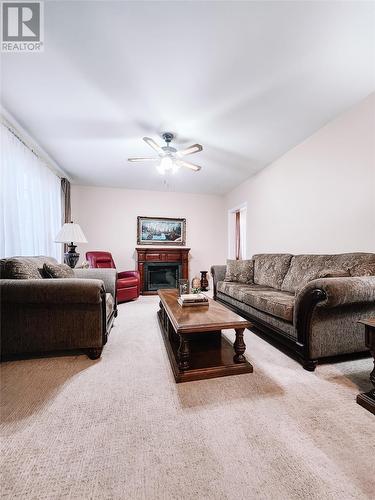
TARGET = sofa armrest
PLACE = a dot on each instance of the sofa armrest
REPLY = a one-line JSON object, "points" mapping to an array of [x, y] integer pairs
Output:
{"points": [[107, 275], [129, 274], [51, 291], [329, 293], [218, 274]]}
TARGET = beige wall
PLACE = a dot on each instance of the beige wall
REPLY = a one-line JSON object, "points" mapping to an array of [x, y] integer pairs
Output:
{"points": [[320, 196], [108, 218]]}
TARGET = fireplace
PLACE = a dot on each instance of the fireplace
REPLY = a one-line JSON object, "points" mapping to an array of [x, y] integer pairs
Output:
{"points": [[161, 267], [161, 275]]}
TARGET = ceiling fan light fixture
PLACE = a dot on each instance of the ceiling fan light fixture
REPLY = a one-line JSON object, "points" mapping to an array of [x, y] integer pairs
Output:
{"points": [[170, 159], [166, 163]]}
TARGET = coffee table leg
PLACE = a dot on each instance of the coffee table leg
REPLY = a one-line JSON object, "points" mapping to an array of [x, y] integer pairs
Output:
{"points": [[372, 374], [183, 353], [239, 347]]}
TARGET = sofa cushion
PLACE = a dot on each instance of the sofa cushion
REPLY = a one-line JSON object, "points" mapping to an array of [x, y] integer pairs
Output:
{"points": [[267, 319], [271, 301], [236, 290], [57, 270], [24, 267], [305, 268], [270, 269], [240, 271]]}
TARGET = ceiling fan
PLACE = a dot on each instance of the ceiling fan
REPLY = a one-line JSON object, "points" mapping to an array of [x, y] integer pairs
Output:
{"points": [[170, 159]]}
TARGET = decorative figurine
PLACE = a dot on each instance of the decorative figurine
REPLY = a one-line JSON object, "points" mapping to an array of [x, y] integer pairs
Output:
{"points": [[183, 287], [195, 285]]}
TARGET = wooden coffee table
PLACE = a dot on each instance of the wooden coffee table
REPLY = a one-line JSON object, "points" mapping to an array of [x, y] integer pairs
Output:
{"points": [[192, 336]]}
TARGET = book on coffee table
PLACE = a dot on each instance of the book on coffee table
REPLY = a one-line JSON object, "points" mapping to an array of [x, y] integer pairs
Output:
{"points": [[203, 303], [192, 299]]}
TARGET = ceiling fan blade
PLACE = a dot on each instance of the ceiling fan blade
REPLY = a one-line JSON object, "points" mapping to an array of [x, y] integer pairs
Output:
{"points": [[143, 159], [195, 148], [154, 145], [187, 164]]}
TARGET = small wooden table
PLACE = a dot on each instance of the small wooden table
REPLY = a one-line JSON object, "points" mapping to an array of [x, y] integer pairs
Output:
{"points": [[195, 346], [367, 399]]}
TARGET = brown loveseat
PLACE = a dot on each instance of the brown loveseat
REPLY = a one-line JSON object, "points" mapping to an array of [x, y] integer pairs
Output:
{"points": [[310, 304], [41, 315]]}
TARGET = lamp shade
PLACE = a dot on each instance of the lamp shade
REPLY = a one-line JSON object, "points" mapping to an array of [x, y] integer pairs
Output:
{"points": [[70, 232]]}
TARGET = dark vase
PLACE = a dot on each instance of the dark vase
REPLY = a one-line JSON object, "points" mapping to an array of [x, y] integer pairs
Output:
{"points": [[204, 281], [71, 257]]}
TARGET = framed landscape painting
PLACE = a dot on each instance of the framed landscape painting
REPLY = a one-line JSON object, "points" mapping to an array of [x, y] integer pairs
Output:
{"points": [[161, 231]]}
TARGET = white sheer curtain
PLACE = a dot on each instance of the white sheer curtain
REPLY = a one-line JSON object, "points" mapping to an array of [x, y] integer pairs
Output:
{"points": [[30, 201]]}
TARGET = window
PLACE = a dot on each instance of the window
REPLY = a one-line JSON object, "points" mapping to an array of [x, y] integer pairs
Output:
{"points": [[237, 232], [30, 201]]}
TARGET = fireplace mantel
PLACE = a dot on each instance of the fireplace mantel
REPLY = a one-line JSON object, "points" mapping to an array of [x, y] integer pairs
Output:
{"points": [[146, 255]]}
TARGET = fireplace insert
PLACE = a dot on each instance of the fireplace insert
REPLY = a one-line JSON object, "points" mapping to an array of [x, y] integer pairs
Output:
{"points": [[161, 275]]}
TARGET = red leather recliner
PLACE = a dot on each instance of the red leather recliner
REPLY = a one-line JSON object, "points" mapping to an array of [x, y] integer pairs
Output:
{"points": [[128, 282]]}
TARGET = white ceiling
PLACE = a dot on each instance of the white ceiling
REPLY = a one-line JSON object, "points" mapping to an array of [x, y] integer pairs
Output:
{"points": [[247, 80]]}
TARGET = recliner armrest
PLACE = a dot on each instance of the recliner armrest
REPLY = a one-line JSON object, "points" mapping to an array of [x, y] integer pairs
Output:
{"points": [[129, 274]]}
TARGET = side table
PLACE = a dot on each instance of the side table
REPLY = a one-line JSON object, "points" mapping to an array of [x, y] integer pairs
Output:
{"points": [[367, 399]]}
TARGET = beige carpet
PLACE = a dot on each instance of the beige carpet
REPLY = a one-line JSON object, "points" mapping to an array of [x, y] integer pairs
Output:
{"points": [[120, 428]]}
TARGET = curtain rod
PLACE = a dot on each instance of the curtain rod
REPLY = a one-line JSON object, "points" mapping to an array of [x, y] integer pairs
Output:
{"points": [[13, 130]]}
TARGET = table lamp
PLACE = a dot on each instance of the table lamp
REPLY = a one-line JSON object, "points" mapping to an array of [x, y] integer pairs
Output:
{"points": [[71, 234]]}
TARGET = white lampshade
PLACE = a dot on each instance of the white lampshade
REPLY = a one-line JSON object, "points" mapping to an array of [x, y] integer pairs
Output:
{"points": [[70, 232]]}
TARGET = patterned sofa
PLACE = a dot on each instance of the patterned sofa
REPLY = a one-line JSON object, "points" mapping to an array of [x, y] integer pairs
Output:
{"points": [[39, 315], [309, 304]]}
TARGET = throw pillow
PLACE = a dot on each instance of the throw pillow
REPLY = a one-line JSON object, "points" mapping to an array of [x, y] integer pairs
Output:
{"points": [[58, 271], [363, 269], [20, 269], [333, 273], [324, 273], [240, 271]]}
